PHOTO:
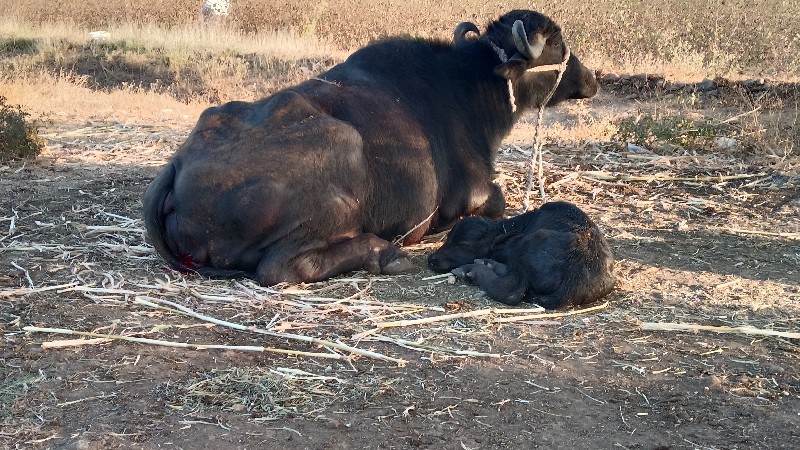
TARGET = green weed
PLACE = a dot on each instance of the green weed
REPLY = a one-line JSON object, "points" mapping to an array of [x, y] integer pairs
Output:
{"points": [[669, 131], [19, 136]]}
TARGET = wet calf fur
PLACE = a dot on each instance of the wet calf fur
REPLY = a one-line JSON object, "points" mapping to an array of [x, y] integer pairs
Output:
{"points": [[553, 256]]}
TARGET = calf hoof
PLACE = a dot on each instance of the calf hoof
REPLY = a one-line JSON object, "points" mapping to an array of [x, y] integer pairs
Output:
{"points": [[464, 273], [485, 262], [459, 273]]}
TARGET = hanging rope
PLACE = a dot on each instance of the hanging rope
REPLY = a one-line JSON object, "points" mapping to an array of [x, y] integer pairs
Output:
{"points": [[536, 155]]}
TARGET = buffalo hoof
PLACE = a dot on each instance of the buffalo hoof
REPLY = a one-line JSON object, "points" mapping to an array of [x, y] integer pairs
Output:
{"points": [[393, 261], [395, 266]]}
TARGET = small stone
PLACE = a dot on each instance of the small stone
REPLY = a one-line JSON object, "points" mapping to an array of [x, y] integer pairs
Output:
{"points": [[683, 225], [714, 383], [706, 85], [726, 143], [99, 36], [754, 82], [610, 78], [633, 148], [669, 96], [676, 87], [631, 96]]}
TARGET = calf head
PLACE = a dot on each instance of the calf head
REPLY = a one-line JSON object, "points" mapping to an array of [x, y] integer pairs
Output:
{"points": [[531, 40], [471, 238]]}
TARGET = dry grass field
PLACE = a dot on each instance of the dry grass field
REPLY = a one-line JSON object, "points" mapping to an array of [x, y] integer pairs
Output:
{"points": [[688, 159]]}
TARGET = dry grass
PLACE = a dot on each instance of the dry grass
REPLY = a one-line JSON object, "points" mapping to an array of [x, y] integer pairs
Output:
{"points": [[705, 238], [189, 63], [152, 59], [65, 98], [681, 38], [703, 235]]}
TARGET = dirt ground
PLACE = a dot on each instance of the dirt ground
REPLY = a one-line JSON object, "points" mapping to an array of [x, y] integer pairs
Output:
{"points": [[700, 238]]}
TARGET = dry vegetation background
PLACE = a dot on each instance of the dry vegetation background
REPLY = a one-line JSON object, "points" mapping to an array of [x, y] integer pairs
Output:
{"points": [[705, 231], [681, 38], [157, 55], [758, 38]]}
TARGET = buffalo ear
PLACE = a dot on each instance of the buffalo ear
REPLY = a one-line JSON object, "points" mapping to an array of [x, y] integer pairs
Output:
{"points": [[513, 68]]}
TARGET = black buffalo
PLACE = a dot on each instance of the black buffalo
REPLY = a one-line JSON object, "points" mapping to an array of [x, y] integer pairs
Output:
{"points": [[553, 256], [396, 141]]}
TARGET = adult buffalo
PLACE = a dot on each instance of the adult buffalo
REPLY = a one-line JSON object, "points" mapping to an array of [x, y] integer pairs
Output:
{"points": [[396, 141]]}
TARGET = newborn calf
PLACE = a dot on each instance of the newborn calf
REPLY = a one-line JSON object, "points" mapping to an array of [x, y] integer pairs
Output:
{"points": [[553, 256]]}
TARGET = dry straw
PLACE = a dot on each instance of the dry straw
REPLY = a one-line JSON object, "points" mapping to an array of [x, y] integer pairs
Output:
{"points": [[748, 330]]}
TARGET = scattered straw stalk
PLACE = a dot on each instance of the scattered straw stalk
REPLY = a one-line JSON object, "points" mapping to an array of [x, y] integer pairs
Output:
{"points": [[654, 326], [250, 348], [328, 344]]}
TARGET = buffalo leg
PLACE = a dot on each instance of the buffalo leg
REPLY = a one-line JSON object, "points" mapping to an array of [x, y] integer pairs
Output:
{"points": [[494, 206], [364, 251]]}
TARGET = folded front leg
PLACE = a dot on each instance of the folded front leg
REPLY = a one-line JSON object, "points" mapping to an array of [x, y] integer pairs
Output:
{"points": [[364, 251], [496, 279]]}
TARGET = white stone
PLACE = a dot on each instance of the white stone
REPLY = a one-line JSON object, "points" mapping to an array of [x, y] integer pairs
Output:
{"points": [[727, 143]]}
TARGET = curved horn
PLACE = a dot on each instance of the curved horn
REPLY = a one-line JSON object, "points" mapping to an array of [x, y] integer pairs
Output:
{"points": [[460, 33], [522, 44]]}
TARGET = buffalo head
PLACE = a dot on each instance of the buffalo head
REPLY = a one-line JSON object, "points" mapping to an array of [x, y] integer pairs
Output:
{"points": [[528, 40]]}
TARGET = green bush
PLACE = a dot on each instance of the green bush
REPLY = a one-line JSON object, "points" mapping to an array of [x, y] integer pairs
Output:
{"points": [[669, 131], [19, 137]]}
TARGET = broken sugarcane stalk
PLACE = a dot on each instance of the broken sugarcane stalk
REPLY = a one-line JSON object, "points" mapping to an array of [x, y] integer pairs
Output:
{"points": [[656, 326]]}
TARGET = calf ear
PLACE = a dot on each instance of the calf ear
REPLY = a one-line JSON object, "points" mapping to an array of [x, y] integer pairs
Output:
{"points": [[499, 240]]}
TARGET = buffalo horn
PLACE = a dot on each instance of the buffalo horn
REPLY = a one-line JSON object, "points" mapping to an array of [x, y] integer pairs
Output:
{"points": [[522, 44], [460, 33]]}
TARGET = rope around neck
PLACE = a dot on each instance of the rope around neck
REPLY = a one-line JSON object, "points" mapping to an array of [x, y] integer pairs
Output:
{"points": [[503, 59], [536, 155], [546, 68]]}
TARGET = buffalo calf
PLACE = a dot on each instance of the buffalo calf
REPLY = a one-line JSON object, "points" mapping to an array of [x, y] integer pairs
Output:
{"points": [[553, 256]]}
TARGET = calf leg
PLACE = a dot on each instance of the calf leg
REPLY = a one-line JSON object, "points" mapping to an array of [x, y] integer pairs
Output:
{"points": [[364, 251], [494, 278]]}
